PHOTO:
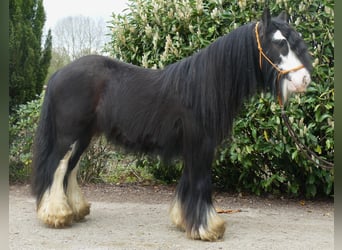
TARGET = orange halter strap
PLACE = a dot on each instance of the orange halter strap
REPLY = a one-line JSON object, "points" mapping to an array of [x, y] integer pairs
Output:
{"points": [[280, 71]]}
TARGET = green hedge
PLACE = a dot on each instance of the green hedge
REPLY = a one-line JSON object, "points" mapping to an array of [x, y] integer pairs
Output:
{"points": [[260, 157]]}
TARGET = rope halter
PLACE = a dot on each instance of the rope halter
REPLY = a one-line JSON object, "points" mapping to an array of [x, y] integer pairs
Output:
{"points": [[280, 71]]}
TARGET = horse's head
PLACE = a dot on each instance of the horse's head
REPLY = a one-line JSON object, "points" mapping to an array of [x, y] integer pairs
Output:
{"points": [[284, 57]]}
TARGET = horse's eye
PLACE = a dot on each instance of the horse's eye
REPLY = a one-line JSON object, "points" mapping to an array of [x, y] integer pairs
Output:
{"points": [[280, 43]]}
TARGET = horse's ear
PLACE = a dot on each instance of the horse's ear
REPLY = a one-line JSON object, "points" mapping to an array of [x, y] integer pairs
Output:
{"points": [[284, 16], [266, 17]]}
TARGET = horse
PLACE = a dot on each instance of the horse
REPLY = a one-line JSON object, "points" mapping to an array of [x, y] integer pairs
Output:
{"points": [[184, 110]]}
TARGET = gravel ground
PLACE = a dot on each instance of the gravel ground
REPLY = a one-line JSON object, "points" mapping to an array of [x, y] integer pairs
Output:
{"points": [[136, 217]]}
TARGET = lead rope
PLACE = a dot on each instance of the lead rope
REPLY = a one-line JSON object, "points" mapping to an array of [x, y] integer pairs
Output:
{"points": [[308, 153]]}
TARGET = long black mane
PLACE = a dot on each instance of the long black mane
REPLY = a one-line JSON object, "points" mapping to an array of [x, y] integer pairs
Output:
{"points": [[215, 81]]}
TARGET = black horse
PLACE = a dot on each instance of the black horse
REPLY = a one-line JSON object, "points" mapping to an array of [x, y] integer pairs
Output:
{"points": [[185, 109]]}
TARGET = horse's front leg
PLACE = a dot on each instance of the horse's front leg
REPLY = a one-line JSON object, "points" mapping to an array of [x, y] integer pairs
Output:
{"points": [[192, 209]]}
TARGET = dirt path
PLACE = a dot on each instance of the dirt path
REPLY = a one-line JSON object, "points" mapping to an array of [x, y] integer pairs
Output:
{"points": [[136, 217]]}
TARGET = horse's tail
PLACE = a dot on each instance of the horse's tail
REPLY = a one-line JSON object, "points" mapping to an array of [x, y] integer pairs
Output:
{"points": [[44, 159]]}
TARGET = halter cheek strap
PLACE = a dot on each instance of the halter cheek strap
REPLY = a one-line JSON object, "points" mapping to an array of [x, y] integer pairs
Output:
{"points": [[280, 71]]}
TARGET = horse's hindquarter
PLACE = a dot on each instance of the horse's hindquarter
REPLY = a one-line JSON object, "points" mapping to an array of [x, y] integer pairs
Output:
{"points": [[73, 93]]}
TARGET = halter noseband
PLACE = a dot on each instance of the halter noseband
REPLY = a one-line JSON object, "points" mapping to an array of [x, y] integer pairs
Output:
{"points": [[280, 71]]}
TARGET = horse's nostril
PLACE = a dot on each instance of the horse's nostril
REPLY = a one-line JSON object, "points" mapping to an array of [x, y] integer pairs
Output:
{"points": [[306, 80]]}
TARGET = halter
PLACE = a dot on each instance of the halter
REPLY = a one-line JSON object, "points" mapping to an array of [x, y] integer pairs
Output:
{"points": [[280, 71]]}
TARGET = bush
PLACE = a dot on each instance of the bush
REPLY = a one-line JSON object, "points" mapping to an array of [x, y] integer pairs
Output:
{"points": [[103, 162], [168, 173], [260, 157], [22, 126]]}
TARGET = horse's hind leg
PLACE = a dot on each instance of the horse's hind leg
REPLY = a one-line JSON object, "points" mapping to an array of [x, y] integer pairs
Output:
{"points": [[79, 205], [53, 208]]}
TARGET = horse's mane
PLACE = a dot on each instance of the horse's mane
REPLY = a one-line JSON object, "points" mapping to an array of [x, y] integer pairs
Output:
{"points": [[215, 81]]}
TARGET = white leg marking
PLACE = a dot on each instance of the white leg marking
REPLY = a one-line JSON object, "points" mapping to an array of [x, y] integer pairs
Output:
{"points": [[215, 227], [77, 202], [53, 208], [213, 231], [176, 214]]}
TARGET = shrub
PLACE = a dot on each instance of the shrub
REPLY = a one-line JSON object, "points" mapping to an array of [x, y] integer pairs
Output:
{"points": [[22, 126], [103, 162], [260, 157], [167, 173]]}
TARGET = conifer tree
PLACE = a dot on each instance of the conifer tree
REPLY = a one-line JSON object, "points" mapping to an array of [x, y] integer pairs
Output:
{"points": [[29, 60]]}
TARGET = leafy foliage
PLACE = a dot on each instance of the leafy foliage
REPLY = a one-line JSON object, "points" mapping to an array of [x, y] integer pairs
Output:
{"points": [[260, 157], [22, 126], [168, 172]]}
